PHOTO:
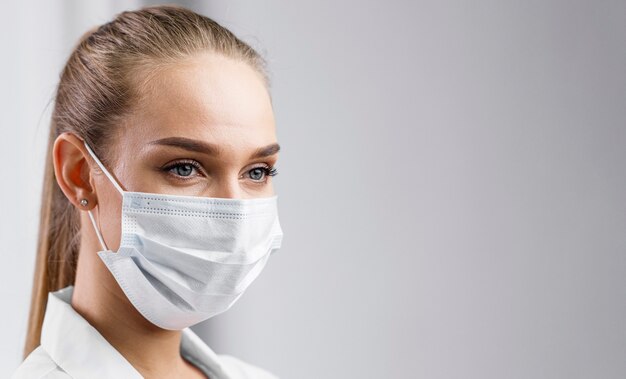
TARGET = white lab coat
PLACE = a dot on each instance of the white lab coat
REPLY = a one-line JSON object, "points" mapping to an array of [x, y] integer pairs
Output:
{"points": [[72, 348]]}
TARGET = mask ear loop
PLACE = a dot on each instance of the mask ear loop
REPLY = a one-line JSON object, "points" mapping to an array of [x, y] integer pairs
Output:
{"points": [[95, 227], [115, 184], [106, 172]]}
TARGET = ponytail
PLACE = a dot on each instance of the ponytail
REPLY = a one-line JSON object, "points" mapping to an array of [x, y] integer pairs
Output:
{"points": [[57, 249]]}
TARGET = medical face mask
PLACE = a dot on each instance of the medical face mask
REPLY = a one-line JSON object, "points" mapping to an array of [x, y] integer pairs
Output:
{"points": [[184, 259]]}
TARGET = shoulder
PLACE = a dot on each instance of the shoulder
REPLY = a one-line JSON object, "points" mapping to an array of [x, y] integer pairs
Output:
{"points": [[39, 365], [238, 369]]}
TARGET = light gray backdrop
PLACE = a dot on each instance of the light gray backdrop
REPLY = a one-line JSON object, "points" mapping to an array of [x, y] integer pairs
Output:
{"points": [[452, 185]]}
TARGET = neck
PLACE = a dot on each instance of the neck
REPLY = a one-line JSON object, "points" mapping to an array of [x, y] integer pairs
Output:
{"points": [[97, 297]]}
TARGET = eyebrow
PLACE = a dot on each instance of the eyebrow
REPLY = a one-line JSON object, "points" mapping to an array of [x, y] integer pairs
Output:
{"points": [[266, 151], [211, 149]]}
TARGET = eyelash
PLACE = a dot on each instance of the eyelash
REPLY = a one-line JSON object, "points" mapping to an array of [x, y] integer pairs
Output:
{"points": [[269, 170]]}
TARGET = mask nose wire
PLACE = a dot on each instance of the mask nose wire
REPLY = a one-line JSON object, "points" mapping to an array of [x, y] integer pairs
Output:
{"points": [[115, 184]]}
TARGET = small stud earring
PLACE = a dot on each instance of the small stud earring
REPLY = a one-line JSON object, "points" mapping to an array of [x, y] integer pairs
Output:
{"points": [[84, 202]]}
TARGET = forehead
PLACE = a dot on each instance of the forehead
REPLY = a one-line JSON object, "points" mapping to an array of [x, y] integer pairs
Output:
{"points": [[208, 97]]}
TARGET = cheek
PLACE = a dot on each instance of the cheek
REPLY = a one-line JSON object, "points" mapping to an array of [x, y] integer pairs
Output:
{"points": [[108, 215], [262, 191]]}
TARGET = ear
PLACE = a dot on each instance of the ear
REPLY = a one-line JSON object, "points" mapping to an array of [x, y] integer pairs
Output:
{"points": [[72, 171]]}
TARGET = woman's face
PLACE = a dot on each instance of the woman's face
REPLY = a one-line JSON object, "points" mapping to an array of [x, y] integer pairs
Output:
{"points": [[205, 127]]}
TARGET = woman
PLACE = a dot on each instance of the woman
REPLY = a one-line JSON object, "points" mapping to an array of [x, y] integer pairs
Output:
{"points": [[158, 208]]}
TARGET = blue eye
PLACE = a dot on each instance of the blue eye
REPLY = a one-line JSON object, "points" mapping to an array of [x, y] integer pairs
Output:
{"points": [[182, 169], [259, 173]]}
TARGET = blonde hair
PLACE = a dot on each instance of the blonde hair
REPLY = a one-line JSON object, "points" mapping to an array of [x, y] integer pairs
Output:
{"points": [[97, 88]]}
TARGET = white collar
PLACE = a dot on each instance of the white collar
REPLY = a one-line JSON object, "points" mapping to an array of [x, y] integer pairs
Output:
{"points": [[75, 345]]}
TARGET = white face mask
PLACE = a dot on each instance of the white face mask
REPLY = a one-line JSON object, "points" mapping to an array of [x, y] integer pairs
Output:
{"points": [[184, 259]]}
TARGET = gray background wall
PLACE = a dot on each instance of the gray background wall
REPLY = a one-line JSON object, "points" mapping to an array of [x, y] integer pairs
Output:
{"points": [[452, 185]]}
